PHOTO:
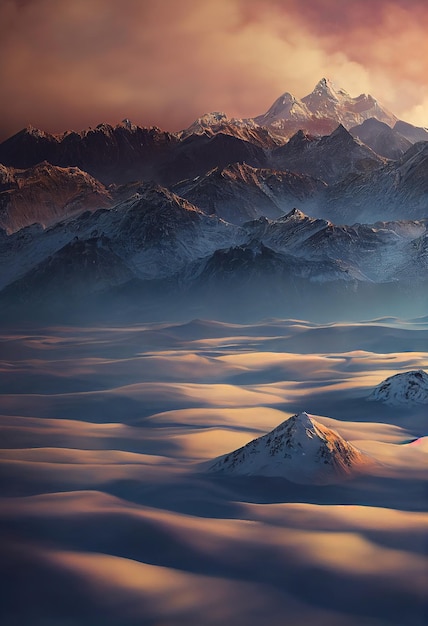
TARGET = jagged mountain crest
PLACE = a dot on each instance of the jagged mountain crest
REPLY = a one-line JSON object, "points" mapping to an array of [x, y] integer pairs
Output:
{"points": [[126, 152], [341, 134], [331, 157], [302, 139], [410, 132], [323, 91], [322, 110], [112, 154], [237, 207], [389, 192], [240, 192], [381, 138], [47, 193], [328, 100], [205, 122]]}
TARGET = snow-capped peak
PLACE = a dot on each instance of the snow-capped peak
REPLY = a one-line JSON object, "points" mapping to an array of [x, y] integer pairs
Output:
{"points": [[325, 87], [126, 123], [38, 133], [212, 118], [285, 107], [405, 388], [300, 449], [205, 122], [301, 428], [295, 214]]}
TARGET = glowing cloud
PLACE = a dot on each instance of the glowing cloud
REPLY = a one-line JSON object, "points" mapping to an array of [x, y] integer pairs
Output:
{"points": [[165, 63]]}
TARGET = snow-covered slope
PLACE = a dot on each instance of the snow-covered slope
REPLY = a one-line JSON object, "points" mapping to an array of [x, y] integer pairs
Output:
{"points": [[321, 111], [326, 100], [405, 388], [300, 449], [384, 251], [157, 235], [289, 233], [205, 123], [217, 122], [397, 190], [153, 231], [286, 108], [239, 193]]}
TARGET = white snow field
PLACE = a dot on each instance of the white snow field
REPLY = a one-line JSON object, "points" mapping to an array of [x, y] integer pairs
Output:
{"points": [[111, 513]]}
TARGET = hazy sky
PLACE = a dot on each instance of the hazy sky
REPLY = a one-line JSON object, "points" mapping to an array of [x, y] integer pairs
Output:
{"points": [[75, 63]]}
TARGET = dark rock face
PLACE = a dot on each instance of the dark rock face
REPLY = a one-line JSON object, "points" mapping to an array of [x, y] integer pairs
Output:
{"points": [[111, 154], [198, 154], [382, 139], [396, 190], [330, 158], [239, 192], [410, 132], [46, 193], [29, 147], [126, 152], [78, 270]]}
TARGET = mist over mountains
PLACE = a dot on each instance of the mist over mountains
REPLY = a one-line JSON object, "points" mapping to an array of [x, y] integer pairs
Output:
{"points": [[317, 203]]}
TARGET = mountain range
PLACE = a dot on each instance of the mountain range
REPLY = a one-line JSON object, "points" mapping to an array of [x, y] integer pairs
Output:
{"points": [[318, 201], [118, 154]]}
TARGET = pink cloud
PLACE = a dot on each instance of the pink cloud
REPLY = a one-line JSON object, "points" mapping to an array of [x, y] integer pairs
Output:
{"points": [[166, 62]]}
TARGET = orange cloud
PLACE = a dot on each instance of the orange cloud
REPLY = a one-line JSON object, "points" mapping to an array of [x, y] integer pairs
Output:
{"points": [[166, 62]]}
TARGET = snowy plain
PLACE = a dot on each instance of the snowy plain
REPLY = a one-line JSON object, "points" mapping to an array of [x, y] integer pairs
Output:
{"points": [[107, 516]]}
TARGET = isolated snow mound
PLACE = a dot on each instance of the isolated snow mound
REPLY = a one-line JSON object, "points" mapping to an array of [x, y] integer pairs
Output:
{"points": [[300, 449], [406, 388]]}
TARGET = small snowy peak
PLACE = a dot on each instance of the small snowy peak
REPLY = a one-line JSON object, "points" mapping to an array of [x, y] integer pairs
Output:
{"points": [[300, 450], [37, 133], [341, 133], [326, 89], [214, 117], [406, 388], [325, 99], [330, 101], [299, 218], [301, 141], [126, 123], [285, 107], [295, 214], [206, 122]]}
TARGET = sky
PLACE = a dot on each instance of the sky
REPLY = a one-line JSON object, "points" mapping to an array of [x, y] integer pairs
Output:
{"points": [[71, 64]]}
